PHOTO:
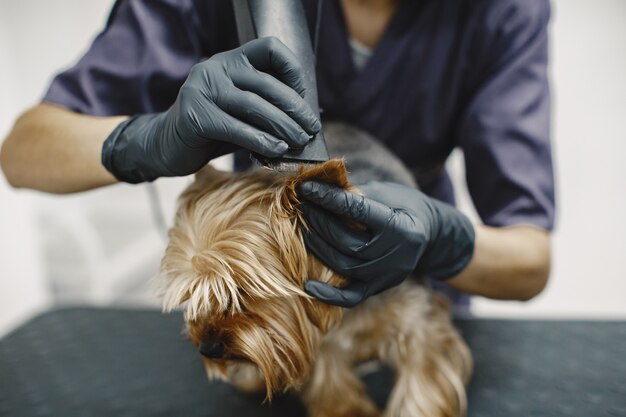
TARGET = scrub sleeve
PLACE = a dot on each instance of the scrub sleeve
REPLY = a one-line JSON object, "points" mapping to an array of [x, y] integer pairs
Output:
{"points": [[140, 60], [505, 129]]}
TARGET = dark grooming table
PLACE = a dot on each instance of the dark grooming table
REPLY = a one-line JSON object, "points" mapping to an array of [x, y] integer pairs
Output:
{"points": [[101, 362]]}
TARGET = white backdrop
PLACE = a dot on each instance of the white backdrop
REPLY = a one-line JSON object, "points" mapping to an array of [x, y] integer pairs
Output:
{"points": [[38, 38], [589, 85]]}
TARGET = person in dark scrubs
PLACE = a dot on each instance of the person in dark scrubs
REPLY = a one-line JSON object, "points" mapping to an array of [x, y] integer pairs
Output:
{"points": [[423, 77]]}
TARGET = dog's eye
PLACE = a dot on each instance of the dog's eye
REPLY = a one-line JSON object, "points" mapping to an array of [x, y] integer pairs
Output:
{"points": [[241, 306]]}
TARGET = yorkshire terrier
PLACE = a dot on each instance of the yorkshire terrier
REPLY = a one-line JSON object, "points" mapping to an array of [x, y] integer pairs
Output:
{"points": [[237, 260]]}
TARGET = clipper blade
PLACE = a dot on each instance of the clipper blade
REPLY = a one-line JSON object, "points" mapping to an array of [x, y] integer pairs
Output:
{"points": [[313, 153], [281, 165]]}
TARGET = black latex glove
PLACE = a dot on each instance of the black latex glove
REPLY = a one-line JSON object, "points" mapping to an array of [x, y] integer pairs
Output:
{"points": [[406, 231], [227, 101]]}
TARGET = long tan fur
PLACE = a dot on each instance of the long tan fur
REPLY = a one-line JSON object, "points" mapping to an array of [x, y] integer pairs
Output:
{"points": [[237, 261]]}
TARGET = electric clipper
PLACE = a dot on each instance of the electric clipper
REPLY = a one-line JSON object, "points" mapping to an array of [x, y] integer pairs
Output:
{"points": [[286, 20]]}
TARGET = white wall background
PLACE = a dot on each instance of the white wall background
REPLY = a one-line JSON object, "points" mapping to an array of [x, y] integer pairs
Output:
{"points": [[103, 246], [589, 85]]}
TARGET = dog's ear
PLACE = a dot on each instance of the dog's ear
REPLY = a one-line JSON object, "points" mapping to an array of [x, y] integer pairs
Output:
{"points": [[332, 172]]}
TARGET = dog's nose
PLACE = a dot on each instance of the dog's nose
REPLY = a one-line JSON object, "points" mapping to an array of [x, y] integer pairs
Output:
{"points": [[212, 349]]}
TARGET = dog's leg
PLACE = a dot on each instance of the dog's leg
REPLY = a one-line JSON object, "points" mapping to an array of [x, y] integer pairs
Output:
{"points": [[334, 390], [431, 361]]}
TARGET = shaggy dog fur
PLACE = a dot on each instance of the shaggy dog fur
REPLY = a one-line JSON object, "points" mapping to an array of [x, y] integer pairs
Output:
{"points": [[237, 259]]}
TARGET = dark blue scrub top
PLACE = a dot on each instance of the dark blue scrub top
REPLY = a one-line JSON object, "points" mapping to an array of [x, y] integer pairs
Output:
{"points": [[446, 73]]}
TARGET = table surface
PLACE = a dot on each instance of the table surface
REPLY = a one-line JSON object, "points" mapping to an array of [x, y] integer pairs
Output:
{"points": [[106, 362]]}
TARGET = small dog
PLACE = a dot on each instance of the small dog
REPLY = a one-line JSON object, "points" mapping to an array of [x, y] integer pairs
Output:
{"points": [[236, 257]]}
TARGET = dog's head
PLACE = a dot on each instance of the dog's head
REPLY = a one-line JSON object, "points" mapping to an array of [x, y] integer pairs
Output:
{"points": [[237, 259]]}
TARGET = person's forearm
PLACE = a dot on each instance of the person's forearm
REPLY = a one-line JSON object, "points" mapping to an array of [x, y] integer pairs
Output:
{"points": [[509, 263], [56, 150]]}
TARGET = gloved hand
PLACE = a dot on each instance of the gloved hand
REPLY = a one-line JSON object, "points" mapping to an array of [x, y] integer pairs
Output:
{"points": [[405, 231], [228, 100]]}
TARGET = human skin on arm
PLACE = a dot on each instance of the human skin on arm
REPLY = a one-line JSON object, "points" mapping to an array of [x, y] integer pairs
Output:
{"points": [[249, 97], [510, 263], [55, 150]]}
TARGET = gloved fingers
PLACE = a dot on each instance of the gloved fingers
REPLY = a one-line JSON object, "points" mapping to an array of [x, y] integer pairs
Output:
{"points": [[271, 55], [390, 194], [374, 215], [348, 296], [331, 257], [378, 286], [280, 95], [331, 229], [254, 110], [347, 265], [358, 244], [341, 263], [243, 135]]}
